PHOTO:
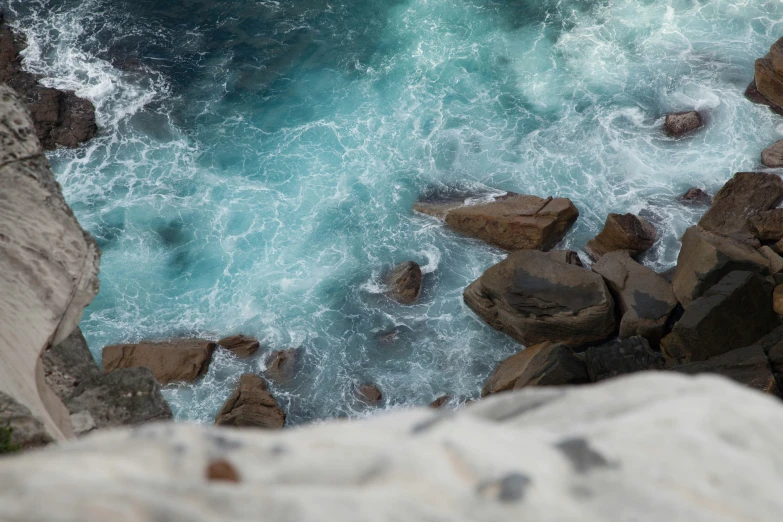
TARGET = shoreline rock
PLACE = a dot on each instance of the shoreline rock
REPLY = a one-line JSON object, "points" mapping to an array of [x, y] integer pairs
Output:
{"points": [[172, 360], [404, 282], [678, 124], [240, 345], [622, 232], [252, 406]]}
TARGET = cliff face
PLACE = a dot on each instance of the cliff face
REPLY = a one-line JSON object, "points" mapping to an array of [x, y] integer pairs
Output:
{"points": [[50, 267]]}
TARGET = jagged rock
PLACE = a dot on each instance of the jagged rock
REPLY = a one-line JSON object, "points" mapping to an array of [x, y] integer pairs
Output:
{"points": [[281, 365], [768, 225], [170, 361], [240, 345], [705, 258], [681, 123], [769, 84], [774, 260], [509, 370], [696, 196], [251, 405], [440, 402], [369, 394], [732, 314], [534, 297], [742, 197], [404, 282], [554, 365], [512, 222], [42, 294], [772, 156], [644, 299], [61, 118], [620, 357], [622, 232], [748, 366]]}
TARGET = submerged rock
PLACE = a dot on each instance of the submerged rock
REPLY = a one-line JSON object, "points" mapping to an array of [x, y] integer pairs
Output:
{"points": [[170, 361], [440, 402], [681, 123], [620, 357], [748, 366], [240, 345], [696, 196], [622, 232], [512, 222], [404, 282], [535, 297], [281, 366], [369, 394], [251, 405]]}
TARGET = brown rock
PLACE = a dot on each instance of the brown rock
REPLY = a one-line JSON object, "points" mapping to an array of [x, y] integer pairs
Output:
{"points": [[768, 225], [240, 345], [222, 471], [696, 196], [681, 123], [568, 257], [281, 365], [369, 394], [621, 357], [512, 222], [440, 402], [534, 297], [170, 361], [404, 282], [775, 261], [555, 365], [509, 370], [772, 156], [769, 84], [748, 366], [777, 300], [644, 299], [251, 405], [734, 313], [776, 56], [742, 197], [622, 232], [705, 258]]}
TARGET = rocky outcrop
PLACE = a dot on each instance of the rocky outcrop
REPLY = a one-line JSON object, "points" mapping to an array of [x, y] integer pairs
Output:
{"points": [[622, 232], [732, 314], [42, 295], [251, 405], [772, 156], [745, 195], [404, 282], [748, 366], [645, 300], [620, 357], [281, 366], [240, 345], [679, 124], [535, 297], [61, 118], [170, 361], [705, 258], [513, 221], [542, 454]]}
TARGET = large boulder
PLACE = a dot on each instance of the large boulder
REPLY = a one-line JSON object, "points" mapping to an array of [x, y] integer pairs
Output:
{"points": [[513, 221], [679, 124], [705, 258], [49, 267], [769, 84], [749, 366], [620, 357], [622, 232], [541, 454], [768, 225], [555, 365], [61, 118], [404, 282], [644, 299], [251, 405], [535, 297], [772, 156], [170, 361], [732, 314], [742, 197], [509, 370], [240, 345]]}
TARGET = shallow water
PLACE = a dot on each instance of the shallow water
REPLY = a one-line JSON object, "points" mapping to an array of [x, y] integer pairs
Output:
{"points": [[257, 162]]}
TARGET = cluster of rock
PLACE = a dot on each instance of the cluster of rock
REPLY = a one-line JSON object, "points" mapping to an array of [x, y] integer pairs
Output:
{"points": [[60, 117]]}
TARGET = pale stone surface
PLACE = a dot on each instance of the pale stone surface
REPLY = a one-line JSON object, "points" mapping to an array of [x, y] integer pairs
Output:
{"points": [[50, 267], [648, 448]]}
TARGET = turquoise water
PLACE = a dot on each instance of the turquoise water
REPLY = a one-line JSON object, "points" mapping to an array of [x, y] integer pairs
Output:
{"points": [[257, 162]]}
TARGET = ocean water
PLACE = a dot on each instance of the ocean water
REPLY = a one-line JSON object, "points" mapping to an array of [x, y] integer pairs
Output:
{"points": [[257, 162]]}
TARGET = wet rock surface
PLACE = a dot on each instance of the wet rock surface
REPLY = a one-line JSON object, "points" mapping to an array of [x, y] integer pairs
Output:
{"points": [[622, 232], [679, 124], [404, 282], [251, 405], [172, 360]]}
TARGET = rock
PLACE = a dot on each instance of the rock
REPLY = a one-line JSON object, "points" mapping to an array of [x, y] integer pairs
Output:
{"points": [[752, 93], [281, 365], [43, 294], [541, 454], [369, 394], [170, 361], [696, 196], [512, 222], [705, 258], [61, 118], [769, 84], [681, 123], [644, 299], [768, 225], [568, 257], [622, 232], [533, 297], [554, 365], [776, 56], [240, 345], [777, 300], [620, 357], [404, 282], [748, 366], [742, 197], [775, 261], [251, 405], [440, 402], [510, 369], [732, 314], [772, 156], [27, 429]]}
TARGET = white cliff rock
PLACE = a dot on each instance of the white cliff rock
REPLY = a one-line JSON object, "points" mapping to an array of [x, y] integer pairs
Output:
{"points": [[649, 447], [49, 267]]}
